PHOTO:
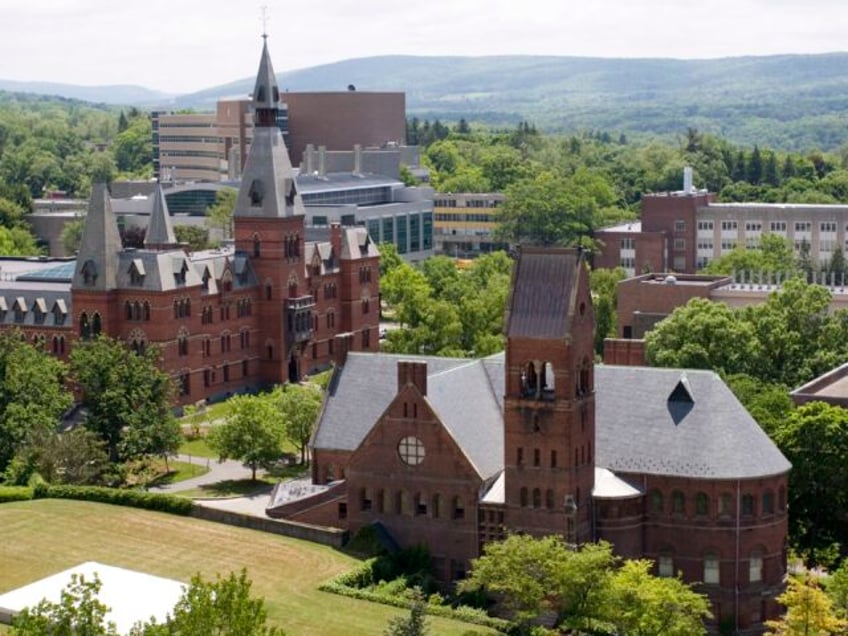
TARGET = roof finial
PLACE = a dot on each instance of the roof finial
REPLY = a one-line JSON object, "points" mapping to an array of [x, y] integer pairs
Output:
{"points": [[264, 21]]}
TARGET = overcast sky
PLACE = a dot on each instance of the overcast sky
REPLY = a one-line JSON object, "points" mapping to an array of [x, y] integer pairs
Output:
{"points": [[186, 45]]}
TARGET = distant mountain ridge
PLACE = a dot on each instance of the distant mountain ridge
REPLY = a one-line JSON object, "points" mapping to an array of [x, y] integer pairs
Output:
{"points": [[118, 94], [789, 101]]}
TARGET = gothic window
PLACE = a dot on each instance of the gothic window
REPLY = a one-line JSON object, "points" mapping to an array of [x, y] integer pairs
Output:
{"points": [[548, 385], [145, 311], [256, 246], [128, 310], [523, 497], [748, 504], [96, 325], [583, 386], [553, 459], [529, 380], [85, 327], [537, 498]]}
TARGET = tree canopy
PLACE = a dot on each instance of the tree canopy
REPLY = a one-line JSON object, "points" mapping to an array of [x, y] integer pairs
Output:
{"points": [[127, 398], [298, 406], [589, 589], [253, 432]]}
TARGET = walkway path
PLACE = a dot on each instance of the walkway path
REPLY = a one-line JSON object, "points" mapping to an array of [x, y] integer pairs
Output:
{"points": [[220, 471]]}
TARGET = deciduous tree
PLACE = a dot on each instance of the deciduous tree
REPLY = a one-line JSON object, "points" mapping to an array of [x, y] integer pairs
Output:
{"points": [[127, 397], [298, 405], [809, 612], [219, 215], [252, 434]]}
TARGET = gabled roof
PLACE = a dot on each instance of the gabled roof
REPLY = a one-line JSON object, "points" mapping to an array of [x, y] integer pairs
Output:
{"points": [[100, 244], [543, 292], [155, 270], [356, 243], [638, 430], [367, 384]]}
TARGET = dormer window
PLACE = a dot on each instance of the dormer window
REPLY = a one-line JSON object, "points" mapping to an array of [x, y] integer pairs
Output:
{"points": [[180, 269], [136, 272], [20, 309], [89, 273], [204, 283], [60, 312], [290, 190], [256, 193], [39, 309]]}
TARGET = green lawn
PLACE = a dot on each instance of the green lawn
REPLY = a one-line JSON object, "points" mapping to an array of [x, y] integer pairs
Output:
{"points": [[197, 448], [46, 536], [180, 471]]}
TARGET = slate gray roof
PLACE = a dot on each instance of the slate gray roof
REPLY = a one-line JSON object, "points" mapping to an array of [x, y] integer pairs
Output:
{"points": [[160, 231], [356, 243], [266, 94], [100, 244], [713, 437], [367, 384], [639, 431], [52, 300], [544, 287], [161, 270]]}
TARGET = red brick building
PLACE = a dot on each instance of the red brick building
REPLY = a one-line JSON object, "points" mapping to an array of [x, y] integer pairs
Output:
{"points": [[267, 309], [666, 464]]}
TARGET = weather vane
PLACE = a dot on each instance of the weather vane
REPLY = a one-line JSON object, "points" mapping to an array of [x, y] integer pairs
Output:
{"points": [[265, 21]]}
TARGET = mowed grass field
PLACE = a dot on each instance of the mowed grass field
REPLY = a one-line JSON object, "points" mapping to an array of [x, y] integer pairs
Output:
{"points": [[45, 536]]}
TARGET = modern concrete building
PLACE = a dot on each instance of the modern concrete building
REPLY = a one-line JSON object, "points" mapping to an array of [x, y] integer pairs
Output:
{"points": [[683, 231], [465, 223], [666, 464], [214, 146]]}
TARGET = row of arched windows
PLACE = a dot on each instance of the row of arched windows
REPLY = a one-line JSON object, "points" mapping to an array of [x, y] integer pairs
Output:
{"points": [[244, 307], [365, 274], [136, 311], [330, 291], [206, 315], [711, 573], [291, 246], [750, 505], [403, 502]]}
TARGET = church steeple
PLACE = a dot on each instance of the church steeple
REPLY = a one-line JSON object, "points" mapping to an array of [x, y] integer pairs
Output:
{"points": [[97, 259], [266, 93], [160, 231], [268, 188]]}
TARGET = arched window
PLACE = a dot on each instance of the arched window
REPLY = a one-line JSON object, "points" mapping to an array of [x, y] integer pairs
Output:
{"points": [[665, 563], [438, 506], [458, 508], [145, 311], [701, 504], [584, 387], [524, 498], [420, 504], [549, 499], [548, 381], [656, 501], [529, 380], [768, 502], [711, 569], [725, 504], [678, 503], [748, 505], [256, 246], [537, 498], [128, 310], [96, 325], [755, 567]]}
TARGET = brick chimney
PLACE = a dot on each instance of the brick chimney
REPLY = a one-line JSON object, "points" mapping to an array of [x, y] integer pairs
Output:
{"points": [[336, 239], [412, 372]]}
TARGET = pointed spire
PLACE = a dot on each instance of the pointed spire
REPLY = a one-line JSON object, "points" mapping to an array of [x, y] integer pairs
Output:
{"points": [[97, 259], [160, 232], [266, 93], [268, 186]]}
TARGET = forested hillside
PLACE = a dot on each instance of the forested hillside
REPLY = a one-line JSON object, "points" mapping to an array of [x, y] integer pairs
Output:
{"points": [[790, 102]]}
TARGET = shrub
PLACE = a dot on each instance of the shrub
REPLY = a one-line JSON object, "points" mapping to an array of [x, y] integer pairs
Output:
{"points": [[15, 493], [118, 497]]}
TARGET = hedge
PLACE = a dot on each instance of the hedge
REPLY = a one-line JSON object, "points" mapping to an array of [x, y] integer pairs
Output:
{"points": [[132, 498], [344, 585], [15, 493]]}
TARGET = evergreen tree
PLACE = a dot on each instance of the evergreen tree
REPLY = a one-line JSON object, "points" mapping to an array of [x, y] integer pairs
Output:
{"points": [[755, 167], [771, 176], [739, 173]]}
